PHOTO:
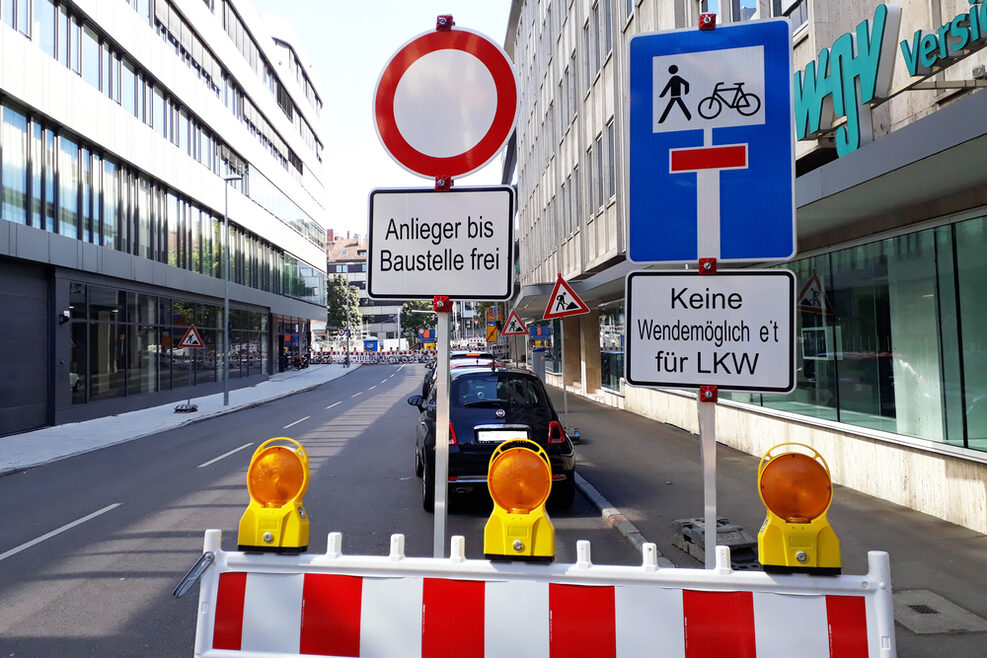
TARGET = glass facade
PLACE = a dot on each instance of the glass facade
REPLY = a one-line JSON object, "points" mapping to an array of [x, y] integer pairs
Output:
{"points": [[611, 345], [81, 47], [92, 197], [889, 336], [125, 343]]}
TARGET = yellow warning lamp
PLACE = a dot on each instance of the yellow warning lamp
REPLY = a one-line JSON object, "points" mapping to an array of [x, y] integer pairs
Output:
{"points": [[794, 484], [277, 479], [519, 479]]}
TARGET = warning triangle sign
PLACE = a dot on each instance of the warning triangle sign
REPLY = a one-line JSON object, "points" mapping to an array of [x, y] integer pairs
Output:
{"points": [[191, 338], [812, 298], [514, 326], [564, 302]]}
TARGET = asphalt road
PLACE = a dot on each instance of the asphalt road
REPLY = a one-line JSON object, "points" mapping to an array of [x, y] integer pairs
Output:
{"points": [[92, 546]]}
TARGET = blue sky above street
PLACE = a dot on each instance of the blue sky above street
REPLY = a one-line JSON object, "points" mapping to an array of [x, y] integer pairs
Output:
{"points": [[348, 45]]}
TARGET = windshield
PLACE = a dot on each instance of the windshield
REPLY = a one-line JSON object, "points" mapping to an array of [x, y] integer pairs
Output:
{"points": [[496, 390]]}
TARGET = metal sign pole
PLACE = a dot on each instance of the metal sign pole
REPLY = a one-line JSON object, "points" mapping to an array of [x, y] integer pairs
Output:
{"points": [[441, 432], [707, 438]]}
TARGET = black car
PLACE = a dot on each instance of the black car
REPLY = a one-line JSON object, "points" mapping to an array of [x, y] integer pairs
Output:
{"points": [[487, 406]]}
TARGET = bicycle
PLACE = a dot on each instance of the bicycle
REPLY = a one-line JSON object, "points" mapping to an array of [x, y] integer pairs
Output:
{"points": [[746, 103]]}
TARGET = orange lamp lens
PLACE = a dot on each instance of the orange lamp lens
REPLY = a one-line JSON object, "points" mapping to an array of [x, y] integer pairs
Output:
{"points": [[796, 487], [519, 480], [275, 477]]}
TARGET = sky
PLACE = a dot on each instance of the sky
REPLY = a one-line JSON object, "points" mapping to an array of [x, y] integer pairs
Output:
{"points": [[349, 44]]}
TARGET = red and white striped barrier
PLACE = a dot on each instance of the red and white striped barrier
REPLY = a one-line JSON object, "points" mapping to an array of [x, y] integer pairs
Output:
{"points": [[401, 607]]}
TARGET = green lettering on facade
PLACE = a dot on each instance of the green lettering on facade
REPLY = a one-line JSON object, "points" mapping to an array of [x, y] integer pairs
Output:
{"points": [[854, 57]]}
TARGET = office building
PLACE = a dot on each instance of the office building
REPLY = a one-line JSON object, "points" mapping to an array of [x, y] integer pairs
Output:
{"points": [[891, 199], [378, 317], [122, 123]]}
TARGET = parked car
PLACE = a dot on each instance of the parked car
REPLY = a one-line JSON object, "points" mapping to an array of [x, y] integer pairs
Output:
{"points": [[487, 406]]}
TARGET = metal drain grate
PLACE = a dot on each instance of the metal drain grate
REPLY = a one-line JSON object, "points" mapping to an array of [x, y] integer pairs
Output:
{"points": [[922, 611]]}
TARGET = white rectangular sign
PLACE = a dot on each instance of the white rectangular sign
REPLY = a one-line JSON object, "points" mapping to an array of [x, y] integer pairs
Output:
{"points": [[455, 243], [733, 329]]}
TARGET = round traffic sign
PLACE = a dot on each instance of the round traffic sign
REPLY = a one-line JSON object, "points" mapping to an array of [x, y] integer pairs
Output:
{"points": [[446, 103]]}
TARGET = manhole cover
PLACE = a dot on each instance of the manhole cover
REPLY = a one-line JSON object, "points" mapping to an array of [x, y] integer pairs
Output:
{"points": [[924, 612]]}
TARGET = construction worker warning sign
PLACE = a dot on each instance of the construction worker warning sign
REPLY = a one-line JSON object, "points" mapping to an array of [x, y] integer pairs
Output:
{"points": [[564, 302], [191, 338], [514, 327]]}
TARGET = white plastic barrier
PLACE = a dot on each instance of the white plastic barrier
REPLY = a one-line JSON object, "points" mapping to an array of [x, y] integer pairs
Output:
{"points": [[396, 606]]}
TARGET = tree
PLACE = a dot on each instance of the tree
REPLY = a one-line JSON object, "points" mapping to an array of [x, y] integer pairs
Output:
{"points": [[342, 304], [412, 322]]}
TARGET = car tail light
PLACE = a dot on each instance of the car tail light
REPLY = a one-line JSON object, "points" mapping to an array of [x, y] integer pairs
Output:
{"points": [[555, 433], [452, 436]]}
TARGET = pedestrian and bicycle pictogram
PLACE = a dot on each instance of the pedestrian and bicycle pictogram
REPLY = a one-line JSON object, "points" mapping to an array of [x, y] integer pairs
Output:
{"points": [[731, 96]]}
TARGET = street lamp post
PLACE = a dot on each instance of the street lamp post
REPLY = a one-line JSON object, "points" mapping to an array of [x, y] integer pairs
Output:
{"points": [[226, 286]]}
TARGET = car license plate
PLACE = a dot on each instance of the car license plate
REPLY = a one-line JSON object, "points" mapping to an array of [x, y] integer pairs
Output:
{"points": [[499, 436]]}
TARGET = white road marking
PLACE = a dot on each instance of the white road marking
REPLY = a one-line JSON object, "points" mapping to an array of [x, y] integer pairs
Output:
{"points": [[67, 526], [296, 422], [356, 394], [372, 387], [384, 381], [235, 450], [333, 405]]}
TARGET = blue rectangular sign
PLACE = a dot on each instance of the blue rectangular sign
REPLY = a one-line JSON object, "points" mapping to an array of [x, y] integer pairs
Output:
{"points": [[712, 150]]}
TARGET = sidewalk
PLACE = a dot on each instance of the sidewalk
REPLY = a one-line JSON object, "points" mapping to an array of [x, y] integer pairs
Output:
{"points": [[20, 451], [652, 475]]}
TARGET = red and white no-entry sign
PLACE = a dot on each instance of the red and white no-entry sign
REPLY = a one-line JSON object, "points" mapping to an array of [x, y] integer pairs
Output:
{"points": [[446, 103]]}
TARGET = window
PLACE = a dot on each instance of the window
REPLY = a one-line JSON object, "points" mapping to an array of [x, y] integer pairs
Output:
{"points": [[68, 184], [49, 176], [797, 11], [158, 112], [128, 88], [86, 216], [37, 165], [612, 345], [607, 27], [611, 161], [594, 23], [590, 166], [90, 57], [110, 74], [599, 172], [75, 38], [109, 204], [183, 141], [44, 17], [64, 38], [588, 55], [14, 166]]}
